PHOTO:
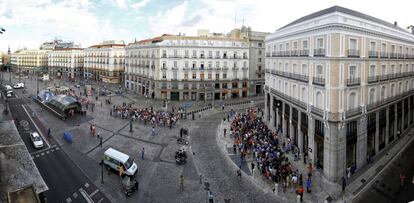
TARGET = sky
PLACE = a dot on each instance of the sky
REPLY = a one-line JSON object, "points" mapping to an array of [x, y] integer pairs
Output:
{"points": [[28, 23]]}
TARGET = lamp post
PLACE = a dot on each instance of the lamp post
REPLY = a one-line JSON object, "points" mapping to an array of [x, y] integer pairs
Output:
{"points": [[37, 81]]}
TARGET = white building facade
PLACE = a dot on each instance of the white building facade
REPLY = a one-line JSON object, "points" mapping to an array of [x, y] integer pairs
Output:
{"points": [[345, 81], [66, 63], [105, 62], [188, 68]]}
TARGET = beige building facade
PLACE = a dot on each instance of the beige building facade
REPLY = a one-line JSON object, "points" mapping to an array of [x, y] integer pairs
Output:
{"points": [[346, 83], [105, 62], [66, 62], [29, 61]]}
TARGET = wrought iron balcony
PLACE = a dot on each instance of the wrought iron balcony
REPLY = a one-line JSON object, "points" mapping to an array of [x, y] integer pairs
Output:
{"points": [[319, 52], [353, 53], [353, 112], [383, 77], [353, 81], [267, 54], [373, 79], [393, 55], [304, 52], [318, 81], [373, 54], [384, 54], [294, 53], [401, 56]]}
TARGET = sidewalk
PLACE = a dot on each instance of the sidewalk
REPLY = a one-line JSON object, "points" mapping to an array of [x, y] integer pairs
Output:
{"points": [[367, 175], [321, 188]]}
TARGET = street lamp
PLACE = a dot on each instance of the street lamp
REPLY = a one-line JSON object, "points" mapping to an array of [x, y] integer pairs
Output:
{"points": [[37, 79]]}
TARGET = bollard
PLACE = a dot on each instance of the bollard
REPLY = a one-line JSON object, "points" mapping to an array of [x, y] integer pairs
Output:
{"points": [[276, 189], [298, 199], [201, 176]]}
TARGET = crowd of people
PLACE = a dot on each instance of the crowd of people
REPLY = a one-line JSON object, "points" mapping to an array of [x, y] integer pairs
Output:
{"points": [[252, 136], [146, 114]]}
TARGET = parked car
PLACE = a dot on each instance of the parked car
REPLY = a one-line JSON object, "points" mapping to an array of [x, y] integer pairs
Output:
{"points": [[77, 86], [18, 85], [9, 93], [36, 140]]}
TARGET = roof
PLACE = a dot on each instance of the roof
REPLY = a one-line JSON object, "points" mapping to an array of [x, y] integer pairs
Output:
{"points": [[17, 169], [98, 46], [182, 37], [119, 155], [345, 11]]}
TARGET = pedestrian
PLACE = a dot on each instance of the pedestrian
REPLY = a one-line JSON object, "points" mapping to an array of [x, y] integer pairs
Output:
{"points": [[142, 153], [153, 131], [181, 182], [234, 148], [343, 183], [300, 179], [48, 132], [225, 130], [402, 177], [252, 164], [239, 172], [310, 168], [308, 185], [228, 117], [300, 191]]}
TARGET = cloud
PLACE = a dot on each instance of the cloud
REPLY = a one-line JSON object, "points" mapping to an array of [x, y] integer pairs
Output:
{"points": [[192, 21], [140, 4], [120, 3], [169, 21]]}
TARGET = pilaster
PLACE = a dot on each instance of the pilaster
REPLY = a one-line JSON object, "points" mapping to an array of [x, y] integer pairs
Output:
{"points": [[361, 142]]}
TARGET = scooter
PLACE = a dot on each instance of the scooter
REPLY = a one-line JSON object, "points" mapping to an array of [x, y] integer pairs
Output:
{"points": [[180, 160], [132, 188], [182, 141]]}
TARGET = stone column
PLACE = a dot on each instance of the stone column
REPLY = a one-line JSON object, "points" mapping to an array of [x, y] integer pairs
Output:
{"points": [[361, 153], [284, 120], [300, 134], [376, 132], [291, 133], [334, 151], [272, 114], [311, 139]]}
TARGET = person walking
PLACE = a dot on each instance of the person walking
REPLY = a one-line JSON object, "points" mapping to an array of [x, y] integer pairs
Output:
{"points": [[142, 153], [48, 132], [308, 185], [153, 131], [239, 173], [181, 182], [300, 192], [402, 177], [343, 183], [310, 169], [252, 165]]}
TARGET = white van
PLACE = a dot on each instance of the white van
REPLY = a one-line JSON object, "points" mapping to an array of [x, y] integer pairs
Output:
{"points": [[114, 158], [8, 87]]}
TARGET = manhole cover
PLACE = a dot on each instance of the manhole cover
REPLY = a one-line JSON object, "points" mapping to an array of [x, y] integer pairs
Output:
{"points": [[362, 180]]}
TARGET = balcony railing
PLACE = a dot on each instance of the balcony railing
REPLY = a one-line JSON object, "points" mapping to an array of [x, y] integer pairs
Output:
{"points": [[318, 81], [267, 70], [353, 112], [319, 52], [393, 55], [373, 79], [353, 81], [267, 54], [317, 111], [384, 54], [235, 68], [373, 54], [401, 56], [304, 52], [294, 53], [353, 53], [289, 98], [383, 77]]}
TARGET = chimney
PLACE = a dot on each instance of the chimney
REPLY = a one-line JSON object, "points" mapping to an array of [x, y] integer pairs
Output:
{"points": [[395, 24]]}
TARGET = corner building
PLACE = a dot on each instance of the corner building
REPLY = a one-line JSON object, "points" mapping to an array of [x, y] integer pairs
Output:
{"points": [[188, 67], [346, 82]]}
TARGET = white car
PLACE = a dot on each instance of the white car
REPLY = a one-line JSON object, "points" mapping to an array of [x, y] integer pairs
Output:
{"points": [[36, 140], [9, 94], [18, 85]]}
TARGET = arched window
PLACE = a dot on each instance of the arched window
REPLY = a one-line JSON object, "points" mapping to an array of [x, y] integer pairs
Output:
{"points": [[352, 101], [304, 69], [319, 100], [286, 88], [294, 93], [406, 86], [383, 92], [304, 95], [371, 98], [294, 68], [393, 90], [400, 88], [280, 85]]}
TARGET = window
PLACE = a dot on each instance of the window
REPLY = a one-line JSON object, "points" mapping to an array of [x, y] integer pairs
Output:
{"points": [[217, 54], [304, 95], [352, 72], [186, 64], [217, 76], [210, 54], [164, 64], [259, 59], [224, 76], [175, 53], [164, 53], [194, 76], [194, 54], [259, 44], [294, 91], [186, 53], [295, 46], [164, 75], [319, 100], [201, 76], [352, 101], [371, 97], [209, 76], [384, 47], [210, 64], [287, 46], [244, 84], [304, 44], [304, 69], [175, 75], [353, 44], [175, 64], [383, 93], [319, 71], [217, 64], [319, 43], [194, 64], [224, 85], [185, 76], [372, 70], [373, 46], [234, 85], [294, 68], [393, 90], [384, 69], [234, 74]]}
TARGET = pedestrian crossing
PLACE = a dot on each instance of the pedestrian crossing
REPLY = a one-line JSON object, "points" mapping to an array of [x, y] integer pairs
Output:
{"points": [[85, 194], [44, 152]]}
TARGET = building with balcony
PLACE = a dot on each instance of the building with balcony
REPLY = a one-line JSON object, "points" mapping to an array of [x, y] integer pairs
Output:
{"points": [[66, 62], [105, 62], [29, 61], [204, 67], [346, 83]]}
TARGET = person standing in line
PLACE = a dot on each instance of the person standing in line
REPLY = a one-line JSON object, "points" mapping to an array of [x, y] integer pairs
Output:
{"points": [[153, 131], [142, 153], [343, 184], [252, 165], [181, 182]]}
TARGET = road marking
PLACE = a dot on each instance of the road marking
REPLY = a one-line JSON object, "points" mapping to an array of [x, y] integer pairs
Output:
{"points": [[94, 193], [42, 153], [68, 200], [75, 195], [57, 148], [86, 185], [37, 127], [47, 152], [85, 195], [37, 155], [101, 200]]}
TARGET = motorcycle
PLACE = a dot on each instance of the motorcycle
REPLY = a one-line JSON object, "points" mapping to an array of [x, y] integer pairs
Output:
{"points": [[129, 186], [180, 160], [182, 141], [180, 157]]}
